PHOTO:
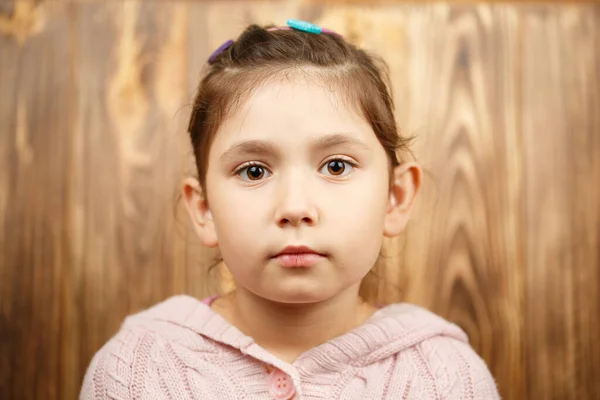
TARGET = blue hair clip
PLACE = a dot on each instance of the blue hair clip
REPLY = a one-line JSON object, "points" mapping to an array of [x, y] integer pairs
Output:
{"points": [[219, 50], [304, 26], [291, 24]]}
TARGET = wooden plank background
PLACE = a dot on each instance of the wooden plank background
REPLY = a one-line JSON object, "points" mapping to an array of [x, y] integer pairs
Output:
{"points": [[504, 100]]}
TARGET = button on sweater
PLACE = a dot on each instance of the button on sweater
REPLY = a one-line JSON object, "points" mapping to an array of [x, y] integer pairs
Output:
{"points": [[182, 349]]}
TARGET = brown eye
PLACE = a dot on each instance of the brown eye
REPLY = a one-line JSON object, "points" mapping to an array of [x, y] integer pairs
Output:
{"points": [[336, 167], [255, 173]]}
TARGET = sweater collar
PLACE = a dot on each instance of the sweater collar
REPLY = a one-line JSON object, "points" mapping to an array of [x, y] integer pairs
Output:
{"points": [[388, 331]]}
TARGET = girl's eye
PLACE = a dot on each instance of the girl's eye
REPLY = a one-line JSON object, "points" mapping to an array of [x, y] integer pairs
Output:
{"points": [[253, 173], [337, 167]]}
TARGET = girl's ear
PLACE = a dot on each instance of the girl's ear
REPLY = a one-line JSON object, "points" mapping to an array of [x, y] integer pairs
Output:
{"points": [[406, 180], [197, 207]]}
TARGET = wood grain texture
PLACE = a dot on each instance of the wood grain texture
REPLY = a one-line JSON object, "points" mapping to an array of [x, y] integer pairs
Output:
{"points": [[129, 246], [36, 114], [503, 99], [561, 127]]}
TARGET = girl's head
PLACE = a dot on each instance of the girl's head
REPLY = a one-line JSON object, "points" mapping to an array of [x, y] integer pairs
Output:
{"points": [[296, 145]]}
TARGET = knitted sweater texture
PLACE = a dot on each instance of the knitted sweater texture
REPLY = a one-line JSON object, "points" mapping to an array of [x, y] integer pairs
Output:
{"points": [[182, 349]]}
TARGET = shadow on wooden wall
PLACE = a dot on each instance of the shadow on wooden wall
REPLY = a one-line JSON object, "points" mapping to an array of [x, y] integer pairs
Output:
{"points": [[504, 100]]}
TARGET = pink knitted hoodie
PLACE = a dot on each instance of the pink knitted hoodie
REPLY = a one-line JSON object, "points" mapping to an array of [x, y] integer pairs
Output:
{"points": [[182, 349]]}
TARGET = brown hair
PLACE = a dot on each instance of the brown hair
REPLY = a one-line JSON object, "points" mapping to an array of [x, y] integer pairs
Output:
{"points": [[259, 55]]}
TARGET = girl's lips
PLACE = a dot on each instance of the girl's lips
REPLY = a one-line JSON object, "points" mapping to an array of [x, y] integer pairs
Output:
{"points": [[298, 260]]}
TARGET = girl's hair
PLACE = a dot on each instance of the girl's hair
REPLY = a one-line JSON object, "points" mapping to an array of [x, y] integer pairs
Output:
{"points": [[262, 54]]}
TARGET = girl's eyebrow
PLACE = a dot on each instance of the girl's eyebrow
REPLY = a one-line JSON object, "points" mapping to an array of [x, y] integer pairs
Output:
{"points": [[264, 147], [249, 148], [338, 139]]}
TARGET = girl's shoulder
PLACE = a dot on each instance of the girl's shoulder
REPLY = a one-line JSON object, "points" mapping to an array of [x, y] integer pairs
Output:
{"points": [[160, 333], [436, 351]]}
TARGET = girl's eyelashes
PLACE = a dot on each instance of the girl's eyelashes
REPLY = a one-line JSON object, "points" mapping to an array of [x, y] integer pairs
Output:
{"points": [[252, 172], [255, 172], [338, 166]]}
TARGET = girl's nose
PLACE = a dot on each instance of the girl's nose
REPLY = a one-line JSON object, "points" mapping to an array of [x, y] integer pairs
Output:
{"points": [[296, 217], [296, 204]]}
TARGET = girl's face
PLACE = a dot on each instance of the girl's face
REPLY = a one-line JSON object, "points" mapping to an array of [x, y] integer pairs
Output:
{"points": [[293, 166]]}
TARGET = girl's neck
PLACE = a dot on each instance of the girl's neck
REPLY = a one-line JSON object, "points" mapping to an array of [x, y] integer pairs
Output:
{"points": [[288, 330]]}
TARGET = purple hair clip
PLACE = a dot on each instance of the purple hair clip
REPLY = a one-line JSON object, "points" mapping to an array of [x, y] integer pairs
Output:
{"points": [[219, 50]]}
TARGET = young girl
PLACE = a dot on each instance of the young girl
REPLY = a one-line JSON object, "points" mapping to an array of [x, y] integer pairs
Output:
{"points": [[299, 181]]}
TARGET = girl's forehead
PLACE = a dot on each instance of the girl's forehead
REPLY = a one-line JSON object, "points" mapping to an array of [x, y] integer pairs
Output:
{"points": [[296, 110]]}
